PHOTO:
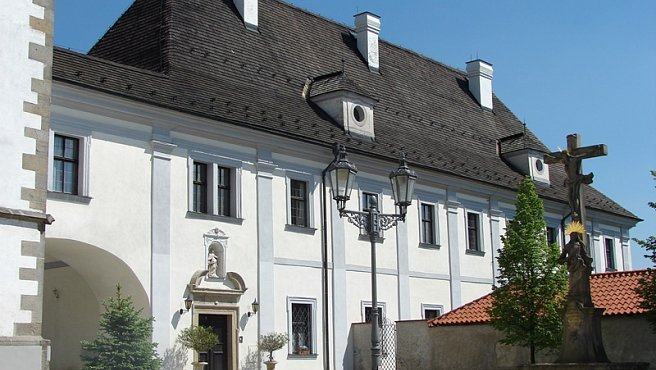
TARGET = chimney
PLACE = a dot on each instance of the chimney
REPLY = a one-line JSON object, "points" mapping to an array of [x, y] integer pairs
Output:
{"points": [[479, 73], [248, 11], [367, 27]]}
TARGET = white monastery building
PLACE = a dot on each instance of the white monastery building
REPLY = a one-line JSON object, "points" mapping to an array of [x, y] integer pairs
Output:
{"points": [[185, 158]]}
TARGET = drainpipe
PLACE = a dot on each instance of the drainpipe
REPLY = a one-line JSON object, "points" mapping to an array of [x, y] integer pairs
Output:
{"points": [[324, 270]]}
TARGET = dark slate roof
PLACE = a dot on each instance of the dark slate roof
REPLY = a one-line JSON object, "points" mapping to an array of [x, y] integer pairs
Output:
{"points": [[335, 82], [196, 56]]}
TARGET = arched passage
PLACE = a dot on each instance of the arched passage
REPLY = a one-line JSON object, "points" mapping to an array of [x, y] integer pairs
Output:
{"points": [[78, 278]]}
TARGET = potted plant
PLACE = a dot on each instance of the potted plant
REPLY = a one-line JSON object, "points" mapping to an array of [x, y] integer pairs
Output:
{"points": [[269, 343], [200, 339]]}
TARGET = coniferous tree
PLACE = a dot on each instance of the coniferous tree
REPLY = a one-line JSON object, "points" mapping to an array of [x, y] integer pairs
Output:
{"points": [[124, 339], [528, 303], [647, 286]]}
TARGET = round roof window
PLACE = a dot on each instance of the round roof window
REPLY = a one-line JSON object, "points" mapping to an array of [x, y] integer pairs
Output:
{"points": [[358, 114], [538, 165]]}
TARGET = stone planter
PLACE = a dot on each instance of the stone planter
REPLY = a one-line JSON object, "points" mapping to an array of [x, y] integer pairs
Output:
{"points": [[199, 365], [270, 364]]}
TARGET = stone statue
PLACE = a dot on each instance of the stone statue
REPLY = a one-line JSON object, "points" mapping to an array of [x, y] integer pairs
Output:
{"points": [[579, 265], [211, 264]]}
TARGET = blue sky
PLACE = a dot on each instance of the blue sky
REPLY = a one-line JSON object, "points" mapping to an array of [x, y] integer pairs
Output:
{"points": [[562, 66]]}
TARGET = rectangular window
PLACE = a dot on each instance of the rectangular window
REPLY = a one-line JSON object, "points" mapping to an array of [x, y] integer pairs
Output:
{"points": [[223, 191], [552, 237], [367, 315], [366, 197], [65, 165], [301, 329], [431, 313], [298, 203], [199, 188], [427, 223], [610, 254], [473, 232]]}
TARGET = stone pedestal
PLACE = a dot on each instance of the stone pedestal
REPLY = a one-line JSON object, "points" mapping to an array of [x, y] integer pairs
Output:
{"points": [[582, 342]]}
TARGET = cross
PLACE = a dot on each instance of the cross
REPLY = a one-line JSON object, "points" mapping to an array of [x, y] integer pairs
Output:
{"points": [[572, 158]]}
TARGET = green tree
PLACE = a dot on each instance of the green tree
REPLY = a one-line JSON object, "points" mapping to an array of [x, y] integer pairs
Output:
{"points": [[124, 339], [528, 303], [647, 286]]}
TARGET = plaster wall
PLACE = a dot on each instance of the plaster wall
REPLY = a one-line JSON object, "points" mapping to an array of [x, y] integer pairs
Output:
{"points": [[71, 312], [117, 217], [423, 259], [428, 291], [13, 233], [359, 292], [626, 339], [16, 34]]}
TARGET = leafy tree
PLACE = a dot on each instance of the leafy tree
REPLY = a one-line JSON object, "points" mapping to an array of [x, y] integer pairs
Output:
{"points": [[124, 339], [527, 305], [647, 286]]}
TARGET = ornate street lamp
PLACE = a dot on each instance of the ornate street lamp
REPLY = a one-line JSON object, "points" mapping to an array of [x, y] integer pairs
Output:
{"points": [[341, 173]]}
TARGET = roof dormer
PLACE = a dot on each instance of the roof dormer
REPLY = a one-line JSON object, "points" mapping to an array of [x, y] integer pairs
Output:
{"points": [[345, 102], [519, 152]]}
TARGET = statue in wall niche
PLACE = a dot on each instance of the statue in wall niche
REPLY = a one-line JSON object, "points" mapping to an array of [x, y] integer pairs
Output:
{"points": [[211, 264]]}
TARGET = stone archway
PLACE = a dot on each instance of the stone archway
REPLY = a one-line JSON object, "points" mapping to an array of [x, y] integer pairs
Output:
{"points": [[78, 277]]}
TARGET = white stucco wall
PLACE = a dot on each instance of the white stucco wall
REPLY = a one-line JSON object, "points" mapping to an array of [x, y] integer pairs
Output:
{"points": [[15, 36], [13, 232]]}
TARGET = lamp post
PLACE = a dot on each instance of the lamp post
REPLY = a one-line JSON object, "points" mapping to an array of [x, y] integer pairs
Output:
{"points": [[341, 174]]}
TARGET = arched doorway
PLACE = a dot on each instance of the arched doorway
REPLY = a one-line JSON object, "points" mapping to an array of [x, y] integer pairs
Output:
{"points": [[78, 277]]}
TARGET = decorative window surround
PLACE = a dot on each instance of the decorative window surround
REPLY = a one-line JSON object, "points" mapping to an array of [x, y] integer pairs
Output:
{"points": [[83, 148], [295, 305], [214, 164], [308, 179], [426, 309]]}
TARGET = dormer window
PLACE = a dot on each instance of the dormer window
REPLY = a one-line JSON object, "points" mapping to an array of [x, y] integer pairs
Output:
{"points": [[516, 151], [345, 102]]}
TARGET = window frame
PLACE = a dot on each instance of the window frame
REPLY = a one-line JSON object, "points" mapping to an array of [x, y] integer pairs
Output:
{"points": [[430, 306], [480, 250], [313, 326], [435, 229], [554, 234], [83, 150], [609, 254], [368, 304], [308, 179], [214, 165]]}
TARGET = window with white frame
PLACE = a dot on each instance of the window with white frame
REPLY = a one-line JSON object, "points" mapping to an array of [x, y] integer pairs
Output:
{"points": [[552, 235], [609, 244], [68, 163], [367, 312], [431, 311], [365, 198], [300, 208], [301, 318], [214, 188], [428, 224], [474, 232]]}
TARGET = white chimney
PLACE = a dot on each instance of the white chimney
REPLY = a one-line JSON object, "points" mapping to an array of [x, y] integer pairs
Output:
{"points": [[248, 11], [479, 73], [367, 27]]}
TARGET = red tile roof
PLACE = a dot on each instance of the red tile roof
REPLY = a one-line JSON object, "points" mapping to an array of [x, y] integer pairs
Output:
{"points": [[615, 291]]}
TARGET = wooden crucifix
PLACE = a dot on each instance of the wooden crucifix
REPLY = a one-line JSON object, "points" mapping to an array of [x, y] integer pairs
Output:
{"points": [[572, 158]]}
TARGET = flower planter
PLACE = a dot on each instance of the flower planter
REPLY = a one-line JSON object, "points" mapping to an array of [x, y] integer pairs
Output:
{"points": [[270, 364], [199, 365]]}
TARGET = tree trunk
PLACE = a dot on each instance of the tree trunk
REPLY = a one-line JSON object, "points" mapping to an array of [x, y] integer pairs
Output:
{"points": [[532, 353]]}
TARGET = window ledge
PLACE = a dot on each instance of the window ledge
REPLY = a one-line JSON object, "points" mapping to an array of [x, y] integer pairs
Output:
{"points": [[293, 356], [300, 229], [475, 252], [429, 246], [71, 198], [610, 269], [206, 216], [366, 238]]}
